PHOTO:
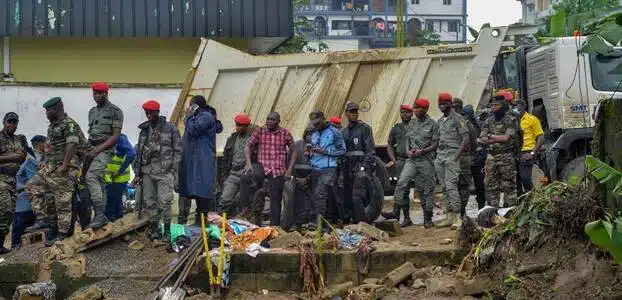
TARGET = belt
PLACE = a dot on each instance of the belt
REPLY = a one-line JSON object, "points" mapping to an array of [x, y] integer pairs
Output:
{"points": [[498, 152], [9, 171], [302, 167], [443, 147], [355, 153]]}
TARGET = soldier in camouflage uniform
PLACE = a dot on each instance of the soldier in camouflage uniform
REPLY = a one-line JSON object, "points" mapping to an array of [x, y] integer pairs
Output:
{"points": [[158, 159], [105, 124], [465, 178], [497, 134], [397, 151], [12, 154], [453, 140], [58, 175]]}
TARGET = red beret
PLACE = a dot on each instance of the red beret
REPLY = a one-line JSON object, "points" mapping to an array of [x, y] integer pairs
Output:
{"points": [[444, 97], [151, 105], [507, 96], [100, 87], [334, 120], [406, 107], [422, 102], [242, 119]]}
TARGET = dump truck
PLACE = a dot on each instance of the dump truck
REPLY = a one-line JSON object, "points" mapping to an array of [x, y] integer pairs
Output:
{"points": [[563, 88], [379, 80]]}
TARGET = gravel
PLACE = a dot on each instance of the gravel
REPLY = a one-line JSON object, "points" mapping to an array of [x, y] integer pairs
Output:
{"points": [[122, 288]]}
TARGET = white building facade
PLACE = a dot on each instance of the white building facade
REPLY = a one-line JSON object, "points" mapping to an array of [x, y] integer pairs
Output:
{"points": [[362, 24], [535, 10]]}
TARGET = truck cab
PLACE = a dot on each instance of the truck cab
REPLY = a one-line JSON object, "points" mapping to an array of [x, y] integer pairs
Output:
{"points": [[563, 88]]}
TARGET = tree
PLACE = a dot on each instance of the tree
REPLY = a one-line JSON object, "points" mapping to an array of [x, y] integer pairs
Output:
{"points": [[570, 14], [419, 37], [300, 42]]}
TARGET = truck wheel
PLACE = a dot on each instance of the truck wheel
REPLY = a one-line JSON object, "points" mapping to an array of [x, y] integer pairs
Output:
{"points": [[383, 176], [574, 171], [374, 207]]}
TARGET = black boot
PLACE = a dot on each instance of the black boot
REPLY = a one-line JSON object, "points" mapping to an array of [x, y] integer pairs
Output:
{"points": [[39, 224], [100, 219], [395, 214], [166, 236], [427, 219], [154, 231], [406, 222], [2, 249], [52, 236]]}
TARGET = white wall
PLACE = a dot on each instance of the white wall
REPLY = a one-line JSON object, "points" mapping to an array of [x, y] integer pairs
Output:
{"points": [[26, 101], [435, 7]]}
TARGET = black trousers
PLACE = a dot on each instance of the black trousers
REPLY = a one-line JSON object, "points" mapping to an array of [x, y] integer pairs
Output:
{"points": [[477, 172], [525, 167], [275, 191]]}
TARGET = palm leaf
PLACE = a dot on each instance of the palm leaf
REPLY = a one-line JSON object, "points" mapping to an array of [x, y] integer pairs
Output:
{"points": [[604, 173]]}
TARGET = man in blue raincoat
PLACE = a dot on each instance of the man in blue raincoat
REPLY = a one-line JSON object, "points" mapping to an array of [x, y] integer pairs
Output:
{"points": [[197, 173]]}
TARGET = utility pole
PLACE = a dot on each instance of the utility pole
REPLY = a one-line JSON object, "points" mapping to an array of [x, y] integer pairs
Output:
{"points": [[399, 41]]}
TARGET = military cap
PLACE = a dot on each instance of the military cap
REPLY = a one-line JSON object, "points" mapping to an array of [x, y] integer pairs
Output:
{"points": [[352, 106], [316, 115], [11, 116], [52, 102]]}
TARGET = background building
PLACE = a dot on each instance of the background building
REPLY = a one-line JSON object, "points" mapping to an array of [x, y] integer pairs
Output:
{"points": [[361, 24]]}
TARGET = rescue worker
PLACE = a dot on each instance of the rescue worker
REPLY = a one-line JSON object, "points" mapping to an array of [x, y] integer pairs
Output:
{"points": [[236, 184], [12, 154], [497, 134], [465, 178], [51, 190], [479, 159], [398, 154], [272, 142], [453, 138], [117, 177], [420, 147], [326, 146], [105, 124], [297, 192], [159, 156], [359, 164], [533, 139], [336, 121]]}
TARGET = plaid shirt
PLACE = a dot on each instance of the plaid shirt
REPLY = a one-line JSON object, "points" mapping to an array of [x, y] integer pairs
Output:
{"points": [[272, 146]]}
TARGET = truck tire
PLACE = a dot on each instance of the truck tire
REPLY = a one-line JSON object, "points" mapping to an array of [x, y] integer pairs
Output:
{"points": [[574, 171], [369, 205], [383, 176]]}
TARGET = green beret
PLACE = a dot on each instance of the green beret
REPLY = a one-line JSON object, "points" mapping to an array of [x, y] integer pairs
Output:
{"points": [[51, 102]]}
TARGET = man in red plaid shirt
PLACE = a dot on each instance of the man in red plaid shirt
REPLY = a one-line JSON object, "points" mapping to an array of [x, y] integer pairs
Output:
{"points": [[273, 143]]}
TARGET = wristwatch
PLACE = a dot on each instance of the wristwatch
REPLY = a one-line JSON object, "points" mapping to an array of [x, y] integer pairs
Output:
{"points": [[533, 153]]}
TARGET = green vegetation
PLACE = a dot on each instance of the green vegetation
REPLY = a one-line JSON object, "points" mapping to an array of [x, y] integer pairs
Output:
{"points": [[300, 41]]}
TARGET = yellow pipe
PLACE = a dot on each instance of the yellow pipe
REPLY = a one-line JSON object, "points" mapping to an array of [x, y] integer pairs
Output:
{"points": [[208, 263], [222, 249]]}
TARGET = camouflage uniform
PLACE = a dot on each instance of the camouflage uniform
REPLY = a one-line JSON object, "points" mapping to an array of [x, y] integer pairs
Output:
{"points": [[52, 194], [102, 123], [397, 138], [158, 159], [236, 183], [450, 133], [500, 164], [465, 178], [421, 135], [8, 145]]}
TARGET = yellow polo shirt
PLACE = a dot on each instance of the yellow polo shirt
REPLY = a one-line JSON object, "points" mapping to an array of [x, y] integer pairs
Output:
{"points": [[532, 129]]}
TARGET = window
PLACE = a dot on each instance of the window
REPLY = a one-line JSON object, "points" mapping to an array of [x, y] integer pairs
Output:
{"points": [[429, 25], [606, 72], [446, 2], [452, 26], [414, 2], [341, 25]]}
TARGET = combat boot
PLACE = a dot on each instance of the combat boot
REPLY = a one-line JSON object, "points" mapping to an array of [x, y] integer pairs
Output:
{"points": [[395, 214], [40, 224], [99, 220], [166, 236], [154, 231], [427, 219], [451, 219], [406, 222], [52, 236]]}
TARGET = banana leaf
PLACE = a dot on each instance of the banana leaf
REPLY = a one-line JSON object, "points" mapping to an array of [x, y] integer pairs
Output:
{"points": [[558, 23], [604, 173], [606, 235]]}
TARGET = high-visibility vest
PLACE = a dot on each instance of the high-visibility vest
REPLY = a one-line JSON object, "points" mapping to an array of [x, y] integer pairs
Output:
{"points": [[113, 168]]}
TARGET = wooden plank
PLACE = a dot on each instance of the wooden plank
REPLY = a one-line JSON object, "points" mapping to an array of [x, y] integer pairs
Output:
{"points": [[141, 223], [262, 98], [185, 90]]}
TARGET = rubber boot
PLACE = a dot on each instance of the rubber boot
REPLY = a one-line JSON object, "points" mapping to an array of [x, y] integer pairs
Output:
{"points": [[457, 224], [182, 220], [406, 222], [166, 236], [427, 219], [154, 231], [451, 219], [99, 220], [40, 223], [395, 214], [52, 236]]}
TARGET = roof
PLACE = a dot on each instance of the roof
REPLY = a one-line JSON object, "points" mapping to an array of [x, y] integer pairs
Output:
{"points": [[151, 18]]}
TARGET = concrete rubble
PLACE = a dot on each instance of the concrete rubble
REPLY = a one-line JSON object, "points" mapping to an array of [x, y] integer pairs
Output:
{"points": [[286, 240], [392, 227], [398, 275], [370, 230]]}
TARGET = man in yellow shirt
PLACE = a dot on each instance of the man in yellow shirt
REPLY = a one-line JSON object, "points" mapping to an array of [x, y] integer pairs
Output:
{"points": [[533, 138]]}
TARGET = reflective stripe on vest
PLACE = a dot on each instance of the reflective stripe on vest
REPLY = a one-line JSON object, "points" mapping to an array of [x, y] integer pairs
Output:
{"points": [[113, 167]]}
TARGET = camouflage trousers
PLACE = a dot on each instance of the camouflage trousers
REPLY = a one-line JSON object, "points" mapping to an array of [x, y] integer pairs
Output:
{"points": [[51, 196], [7, 204], [464, 182], [95, 180], [500, 178], [158, 196]]}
